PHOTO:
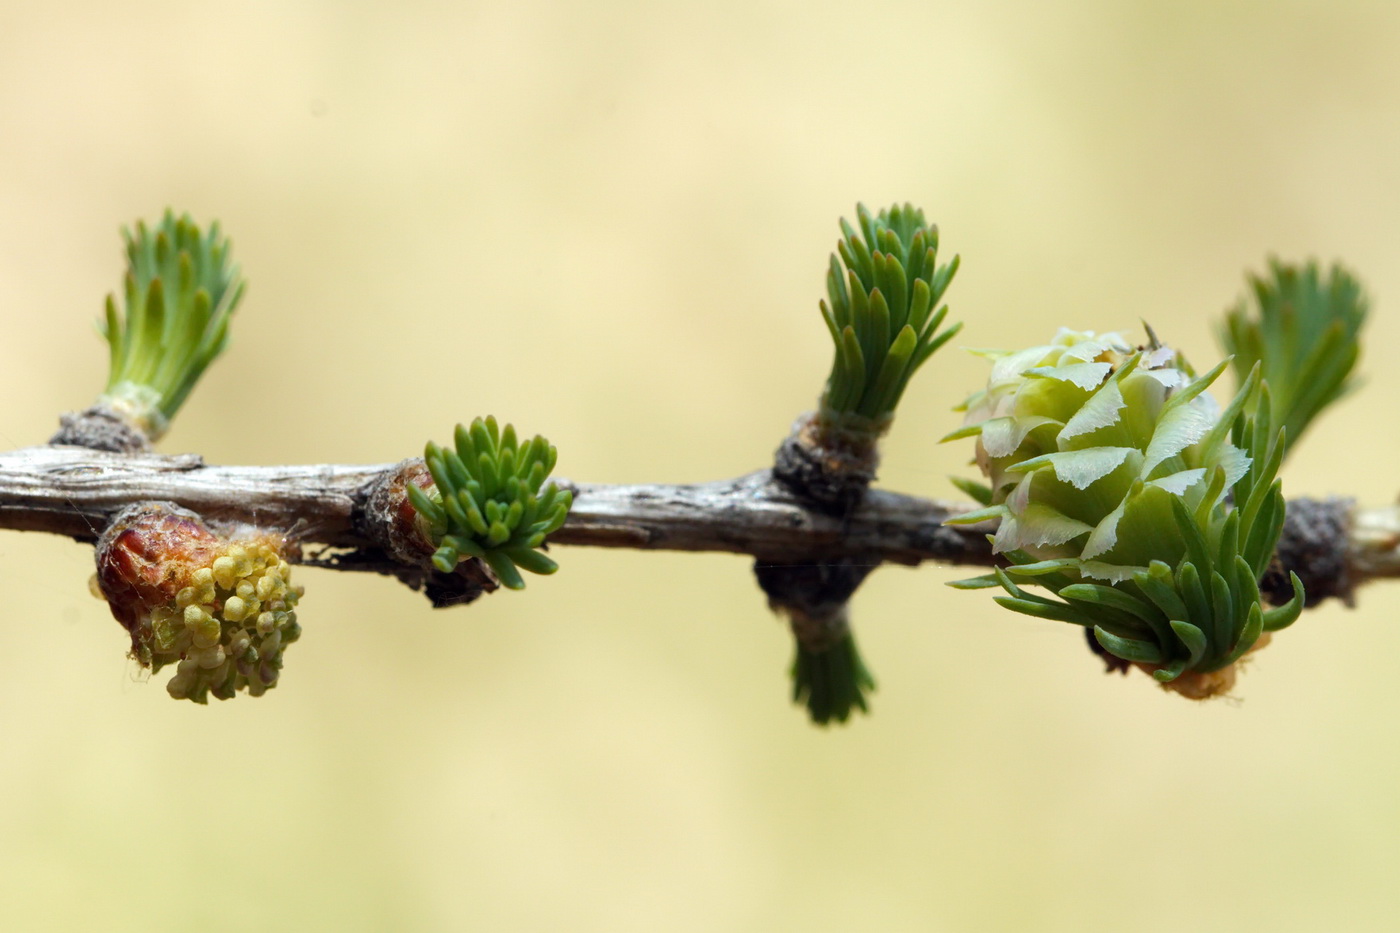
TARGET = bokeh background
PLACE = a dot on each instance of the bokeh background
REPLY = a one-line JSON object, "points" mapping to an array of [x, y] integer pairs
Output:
{"points": [[608, 222]]}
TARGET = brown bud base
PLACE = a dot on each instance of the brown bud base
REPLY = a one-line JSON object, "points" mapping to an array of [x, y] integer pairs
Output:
{"points": [[1316, 544], [829, 462], [828, 674], [817, 634], [219, 606], [391, 521], [813, 595], [101, 428], [1208, 685]]}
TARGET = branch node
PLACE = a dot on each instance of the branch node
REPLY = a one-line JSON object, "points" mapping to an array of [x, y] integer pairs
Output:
{"points": [[827, 469], [1314, 545], [390, 521], [100, 428]]}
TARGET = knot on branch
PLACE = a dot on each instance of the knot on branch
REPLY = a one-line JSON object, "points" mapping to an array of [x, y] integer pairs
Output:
{"points": [[100, 428], [828, 674], [828, 470], [390, 521], [1315, 545], [814, 595]]}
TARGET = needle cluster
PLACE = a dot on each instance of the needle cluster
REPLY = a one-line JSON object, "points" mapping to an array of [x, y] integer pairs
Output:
{"points": [[883, 313], [181, 290], [489, 500]]}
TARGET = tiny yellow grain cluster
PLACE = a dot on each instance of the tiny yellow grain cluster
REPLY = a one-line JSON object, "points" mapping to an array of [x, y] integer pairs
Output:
{"points": [[228, 628]]}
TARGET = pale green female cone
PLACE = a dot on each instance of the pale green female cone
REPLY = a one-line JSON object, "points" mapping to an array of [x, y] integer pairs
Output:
{"points": [[883, 313], [489, 501], [180, 291], [1118, 485], [1303, 328]]}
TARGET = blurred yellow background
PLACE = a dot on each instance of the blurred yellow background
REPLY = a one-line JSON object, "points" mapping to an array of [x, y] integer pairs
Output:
{"points": [[609, 223]]}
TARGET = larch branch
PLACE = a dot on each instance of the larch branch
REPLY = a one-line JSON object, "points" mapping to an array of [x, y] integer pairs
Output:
{"points": [[74, 491]]}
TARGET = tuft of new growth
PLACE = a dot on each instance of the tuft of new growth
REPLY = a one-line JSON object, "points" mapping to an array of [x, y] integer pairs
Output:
{"points": [[883, 311], [831, 683], [1148, 513], [1303, 330], [181, 289], [489, 500], [883, 314]]}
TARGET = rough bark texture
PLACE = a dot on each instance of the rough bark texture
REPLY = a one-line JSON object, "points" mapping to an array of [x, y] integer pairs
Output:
{"points": [[827, 470], [1309, 547]]}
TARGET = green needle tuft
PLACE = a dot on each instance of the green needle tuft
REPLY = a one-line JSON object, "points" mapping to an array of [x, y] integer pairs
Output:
{"points": [[883, 314], [1303, 328], [180, 292], [489, 501], [832, 683]]}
